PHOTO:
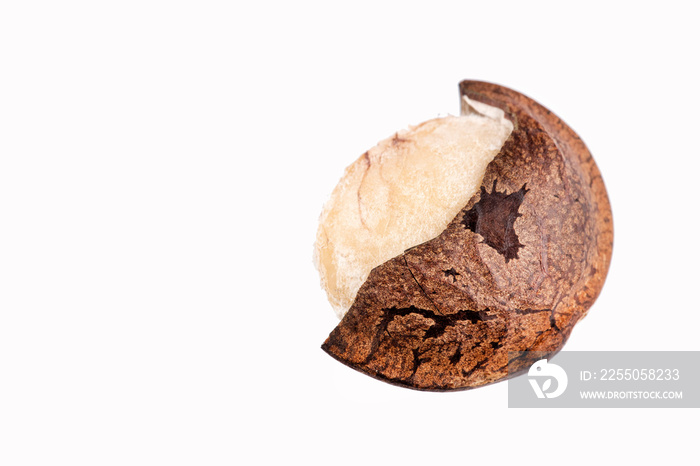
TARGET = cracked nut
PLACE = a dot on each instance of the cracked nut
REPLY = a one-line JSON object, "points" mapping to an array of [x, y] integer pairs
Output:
{"points": [[461, 239]]}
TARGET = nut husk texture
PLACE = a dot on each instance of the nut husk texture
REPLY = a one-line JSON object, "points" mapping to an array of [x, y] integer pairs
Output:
{"points": [[515, 270]]}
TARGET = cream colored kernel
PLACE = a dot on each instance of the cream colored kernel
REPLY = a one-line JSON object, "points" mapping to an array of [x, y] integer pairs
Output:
{"points": [[401, 193]]}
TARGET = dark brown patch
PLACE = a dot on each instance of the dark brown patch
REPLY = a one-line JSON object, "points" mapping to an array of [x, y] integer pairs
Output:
{"points": [[494, 216], [451, 273]]}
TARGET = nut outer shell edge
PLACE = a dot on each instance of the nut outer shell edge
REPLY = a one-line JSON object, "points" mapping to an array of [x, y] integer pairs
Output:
{"points": [[515, 270]]}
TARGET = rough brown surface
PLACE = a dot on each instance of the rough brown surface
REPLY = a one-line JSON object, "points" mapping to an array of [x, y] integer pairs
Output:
{"points": [[515, 270]]}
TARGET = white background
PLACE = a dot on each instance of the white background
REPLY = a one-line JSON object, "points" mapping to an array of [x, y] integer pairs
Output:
{"points": [[163, 166]]}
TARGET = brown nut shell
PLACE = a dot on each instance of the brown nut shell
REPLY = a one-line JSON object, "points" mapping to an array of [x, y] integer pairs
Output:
{"points": [[515, 270]]}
